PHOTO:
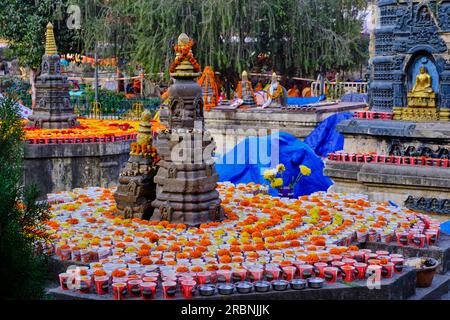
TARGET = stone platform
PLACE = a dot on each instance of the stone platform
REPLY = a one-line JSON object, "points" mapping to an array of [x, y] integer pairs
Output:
{"points": [[384, 182], [67, 166], [400, 287], [441, 253], [243, 123]]}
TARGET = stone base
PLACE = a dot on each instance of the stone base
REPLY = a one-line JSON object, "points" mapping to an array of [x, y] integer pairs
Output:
{"points": [[400, 287], [136, 189], [386, 182], [230, 127], [441, 252], [64, 167]]}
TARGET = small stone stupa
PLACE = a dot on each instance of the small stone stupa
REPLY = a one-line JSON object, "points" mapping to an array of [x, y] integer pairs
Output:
{"points": [[52, 110], [245, 91], [210, 89], [136, 188], [186, 179]]}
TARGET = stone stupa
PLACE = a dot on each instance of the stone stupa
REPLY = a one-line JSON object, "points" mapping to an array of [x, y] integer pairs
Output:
{"points": [[245, 91], [136, 188], [210, 89], [52, 110], [186, 179]]}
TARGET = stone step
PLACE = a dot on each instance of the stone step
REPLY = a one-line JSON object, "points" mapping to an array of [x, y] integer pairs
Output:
{"points": [[439, 288]]}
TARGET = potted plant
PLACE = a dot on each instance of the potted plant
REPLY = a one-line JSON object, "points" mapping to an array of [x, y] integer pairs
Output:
{"points": [[278, 176], [425, 270]]}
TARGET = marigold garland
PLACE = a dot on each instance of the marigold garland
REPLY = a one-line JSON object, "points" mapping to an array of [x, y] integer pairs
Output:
{"points": [[185, 54]]}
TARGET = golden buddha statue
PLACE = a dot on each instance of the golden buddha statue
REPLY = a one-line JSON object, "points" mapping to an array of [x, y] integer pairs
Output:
{"points": [[422, 94]]}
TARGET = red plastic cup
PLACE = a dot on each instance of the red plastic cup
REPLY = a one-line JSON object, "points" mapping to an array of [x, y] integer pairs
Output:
{"points": [[150, 279], [169, 289], [65, 280], [148, 290], [290, 272], [387, 270], [349, 273], [204, 277], [402, 239], [83, 284], [187, 287], [361, 268], [119, 290], [257, 273], [134, 288], [419, 240], [331, 274], [102, 285], [338, 264], [349, 262], [306, 271], [275, 272], [242, 274], [319, 269], [374, 271], [398, 264], [431, 237], [224, 275]]}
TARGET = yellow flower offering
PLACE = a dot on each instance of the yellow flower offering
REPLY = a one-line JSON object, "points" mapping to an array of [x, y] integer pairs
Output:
{"points": [[305, 170]]}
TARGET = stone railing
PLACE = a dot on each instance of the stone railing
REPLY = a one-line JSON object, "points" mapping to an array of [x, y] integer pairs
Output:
{"points": [[337, 89]]}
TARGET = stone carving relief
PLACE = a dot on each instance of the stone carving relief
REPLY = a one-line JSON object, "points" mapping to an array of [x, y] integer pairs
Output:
{"points": [[166, 212]]}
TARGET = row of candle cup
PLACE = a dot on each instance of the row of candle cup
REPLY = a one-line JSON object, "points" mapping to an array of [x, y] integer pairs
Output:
{"points": [[364, 265], [390, 159]]}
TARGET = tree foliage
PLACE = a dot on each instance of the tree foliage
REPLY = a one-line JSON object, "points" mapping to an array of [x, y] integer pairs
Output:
{"points": [[295, 36], [23, 23], [22, 269]]}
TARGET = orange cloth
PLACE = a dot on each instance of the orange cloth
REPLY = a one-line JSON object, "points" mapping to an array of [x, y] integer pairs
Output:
{"points": [[294, 93], [259, 87]]}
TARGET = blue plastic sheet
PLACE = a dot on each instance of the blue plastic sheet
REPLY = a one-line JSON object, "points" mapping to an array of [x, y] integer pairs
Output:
{"points": [[248, 160], [445, 227], [304, 101], [325, 139]]}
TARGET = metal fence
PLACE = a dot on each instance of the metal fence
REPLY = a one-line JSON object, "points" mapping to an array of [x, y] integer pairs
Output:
{"points": [[113, 108]]}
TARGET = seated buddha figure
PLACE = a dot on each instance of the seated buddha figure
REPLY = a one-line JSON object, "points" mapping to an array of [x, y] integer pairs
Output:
{"points": [[422, 94], [276, 94]]}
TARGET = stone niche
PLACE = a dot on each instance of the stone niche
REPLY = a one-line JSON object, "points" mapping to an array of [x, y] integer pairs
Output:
{"points": [[410, 34]]}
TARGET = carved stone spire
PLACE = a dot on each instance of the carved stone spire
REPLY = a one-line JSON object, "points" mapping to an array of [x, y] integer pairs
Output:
{"points": [[50, 43]]}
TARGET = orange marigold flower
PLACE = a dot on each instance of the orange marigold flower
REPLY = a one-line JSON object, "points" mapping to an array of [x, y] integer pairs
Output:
{"points": [[118, 273], [182, 269], [223, 252], [99, 273], [225, 259], [197, 269], [146, 261]]}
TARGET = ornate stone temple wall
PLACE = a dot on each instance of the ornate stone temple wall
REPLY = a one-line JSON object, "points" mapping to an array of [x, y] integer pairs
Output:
{"points": [[406, 31], [411, 78], [186, 179], [53, 110]]}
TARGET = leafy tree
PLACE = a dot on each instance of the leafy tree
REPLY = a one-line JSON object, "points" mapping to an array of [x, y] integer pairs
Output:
{"points": [[296, 36], [23, 23], [22, 268]]}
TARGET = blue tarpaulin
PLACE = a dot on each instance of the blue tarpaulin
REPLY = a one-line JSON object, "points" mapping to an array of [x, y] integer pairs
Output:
{"points": [[325, 139], [445, 227], [304, 101], [248, 160]]}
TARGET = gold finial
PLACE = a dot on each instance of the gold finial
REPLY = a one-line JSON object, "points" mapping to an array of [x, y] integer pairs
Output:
{"points": [[274, 77], [244, 76], [183, 39], [185, 65], [50, 44]]}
